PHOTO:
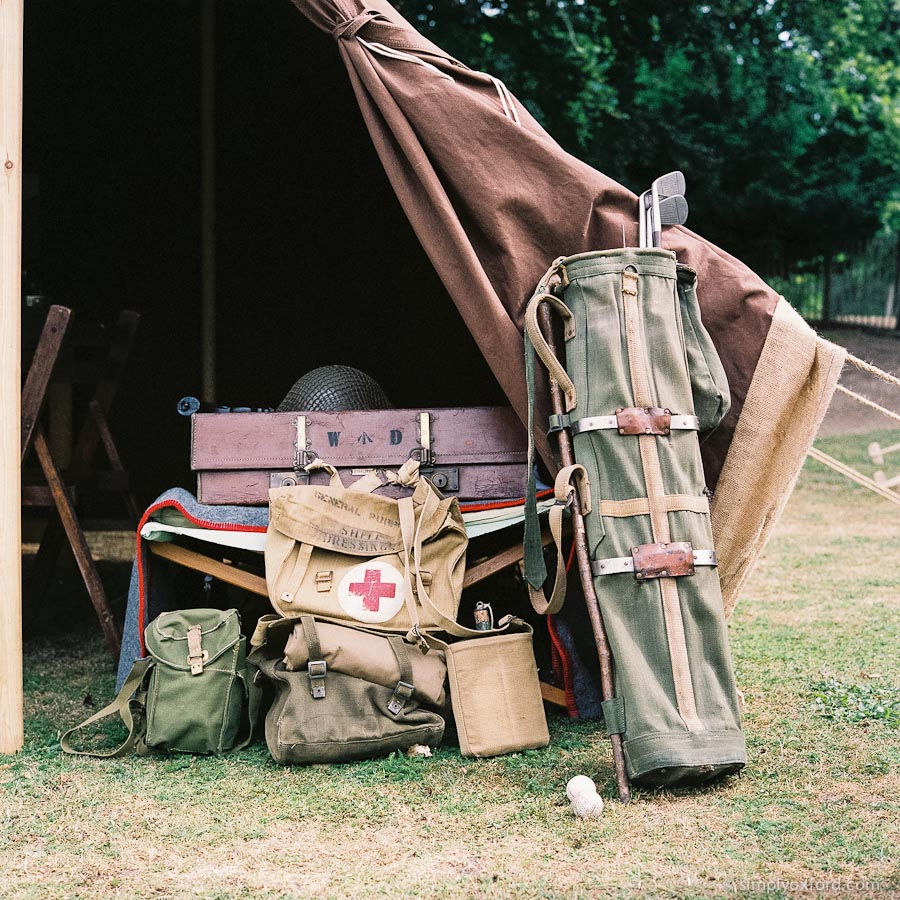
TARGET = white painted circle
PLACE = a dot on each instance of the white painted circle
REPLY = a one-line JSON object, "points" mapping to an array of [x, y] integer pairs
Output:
{"points": [[372, 592]]}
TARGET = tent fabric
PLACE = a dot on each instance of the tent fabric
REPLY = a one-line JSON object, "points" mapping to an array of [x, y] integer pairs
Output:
{"points": [[494, 199], [787, 400]]}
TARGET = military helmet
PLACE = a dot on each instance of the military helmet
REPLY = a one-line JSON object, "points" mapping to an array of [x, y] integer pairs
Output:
{"points": [[335, 388]]}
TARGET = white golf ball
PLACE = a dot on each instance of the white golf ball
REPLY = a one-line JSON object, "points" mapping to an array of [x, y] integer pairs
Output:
{"points": [[582, 792], [580, 785]]}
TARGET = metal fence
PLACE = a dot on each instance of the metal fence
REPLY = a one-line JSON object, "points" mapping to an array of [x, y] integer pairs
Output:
{"points": [[853, 289]]}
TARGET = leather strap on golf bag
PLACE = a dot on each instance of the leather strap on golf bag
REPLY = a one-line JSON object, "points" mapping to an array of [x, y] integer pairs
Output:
{"points": [[563, 489], [631, 329]]}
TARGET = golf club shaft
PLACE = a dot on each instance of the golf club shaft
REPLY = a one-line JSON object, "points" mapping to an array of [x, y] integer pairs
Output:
{"points": [[642, 220], [656, 227]]}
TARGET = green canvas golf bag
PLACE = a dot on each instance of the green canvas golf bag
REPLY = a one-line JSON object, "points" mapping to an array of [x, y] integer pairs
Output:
{"points": [[641, 381]]}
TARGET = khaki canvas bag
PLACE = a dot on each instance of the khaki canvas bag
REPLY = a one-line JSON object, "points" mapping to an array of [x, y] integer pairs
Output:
{"points": [[343, 694], [495, 693], [348, 554]]}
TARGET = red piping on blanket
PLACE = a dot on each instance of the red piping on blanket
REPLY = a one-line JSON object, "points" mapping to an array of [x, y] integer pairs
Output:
{"points": [[501, 504], [560, 661], [200, 523]]}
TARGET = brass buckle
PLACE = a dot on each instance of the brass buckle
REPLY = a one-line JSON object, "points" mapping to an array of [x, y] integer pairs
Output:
{"points": [[414, 636], [401, 694], [197, 661], [316, 670]]}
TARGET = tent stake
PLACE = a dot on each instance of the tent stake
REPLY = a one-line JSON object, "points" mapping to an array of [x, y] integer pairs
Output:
{"points": [[567, 455], [11, 688]]}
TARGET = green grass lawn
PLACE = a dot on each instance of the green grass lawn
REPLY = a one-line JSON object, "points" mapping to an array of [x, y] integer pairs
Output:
{"points": [[816, 813]]}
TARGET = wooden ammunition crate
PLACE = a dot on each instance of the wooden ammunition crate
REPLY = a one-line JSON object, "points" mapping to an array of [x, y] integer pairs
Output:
{"points": [[476, 453]]}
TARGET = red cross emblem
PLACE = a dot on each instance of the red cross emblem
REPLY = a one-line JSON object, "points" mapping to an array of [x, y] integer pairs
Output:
{"points": [[372, 592], [372, 589]]}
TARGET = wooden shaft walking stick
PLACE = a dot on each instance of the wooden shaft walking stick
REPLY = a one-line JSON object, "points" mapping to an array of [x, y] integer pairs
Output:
{"points": [[567, 456]]}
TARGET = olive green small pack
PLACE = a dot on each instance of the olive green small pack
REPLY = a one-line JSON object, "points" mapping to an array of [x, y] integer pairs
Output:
{"points": [[191, 694]]}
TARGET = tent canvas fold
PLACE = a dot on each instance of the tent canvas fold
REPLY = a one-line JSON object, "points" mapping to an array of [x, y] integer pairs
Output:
{"points": [[493, 199]]}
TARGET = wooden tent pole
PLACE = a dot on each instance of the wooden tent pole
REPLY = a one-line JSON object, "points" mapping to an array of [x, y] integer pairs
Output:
{"points": [[583, 560], [208, 198], [12, 735]]}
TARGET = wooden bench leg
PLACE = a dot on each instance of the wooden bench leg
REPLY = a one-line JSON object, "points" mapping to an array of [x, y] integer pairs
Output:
{"points": [[112, 454], [78, 543]]}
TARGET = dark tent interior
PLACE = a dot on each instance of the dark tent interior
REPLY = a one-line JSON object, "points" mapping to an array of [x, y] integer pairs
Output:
{"points": [[316, 263]]}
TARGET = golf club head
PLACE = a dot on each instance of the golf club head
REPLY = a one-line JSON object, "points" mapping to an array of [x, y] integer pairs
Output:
{"points": [[673, 210], [666, 211], [672, 184], [669, 185]]}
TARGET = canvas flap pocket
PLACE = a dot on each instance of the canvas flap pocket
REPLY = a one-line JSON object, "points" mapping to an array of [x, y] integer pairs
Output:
{"points": [[366, 655], [166, 636], [709, 383], [336, 519]]}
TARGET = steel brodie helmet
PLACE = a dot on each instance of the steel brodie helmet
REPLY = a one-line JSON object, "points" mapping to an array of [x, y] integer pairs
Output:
{"points": [[335, 388]]}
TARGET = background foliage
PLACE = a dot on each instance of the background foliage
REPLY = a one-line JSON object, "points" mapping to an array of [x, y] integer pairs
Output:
{"points": [[783, 114]]}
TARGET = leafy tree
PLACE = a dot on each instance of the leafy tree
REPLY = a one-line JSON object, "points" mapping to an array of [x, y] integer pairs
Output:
{"points": [[783, 114], [555, 56]]}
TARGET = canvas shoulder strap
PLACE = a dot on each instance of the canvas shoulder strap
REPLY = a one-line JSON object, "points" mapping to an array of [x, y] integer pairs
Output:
{"points": [[123, 706], [254, 693], [412, 558], [405, 687], [535, 569], [542, 348], [563, 489]]}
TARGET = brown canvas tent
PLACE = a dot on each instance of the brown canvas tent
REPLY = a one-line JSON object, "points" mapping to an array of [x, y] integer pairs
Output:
{"points": [[493, 199]]}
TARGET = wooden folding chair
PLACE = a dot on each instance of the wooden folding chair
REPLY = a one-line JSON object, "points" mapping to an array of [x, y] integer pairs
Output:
{"points": [[103, 372], [60, 492]]}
